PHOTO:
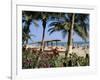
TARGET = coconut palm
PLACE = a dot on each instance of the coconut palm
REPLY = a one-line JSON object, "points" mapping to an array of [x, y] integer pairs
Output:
{"points": [[72, 22], [26, 21], [44, 17]]}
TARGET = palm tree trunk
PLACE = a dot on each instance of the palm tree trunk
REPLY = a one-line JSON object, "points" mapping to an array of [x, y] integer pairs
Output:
{"points": [[42, 44], [41, 49], [70, 36], [44, 26]]}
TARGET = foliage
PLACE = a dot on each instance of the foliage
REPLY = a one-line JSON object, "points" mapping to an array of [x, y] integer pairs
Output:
{"points": [[29, 60], [81, 25]]}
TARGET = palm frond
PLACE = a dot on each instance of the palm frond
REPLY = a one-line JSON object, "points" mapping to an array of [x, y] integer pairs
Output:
{"points": [[55, 23], [66, 26], [51, 31], [35, 23], [81, 31], [55, 28]]}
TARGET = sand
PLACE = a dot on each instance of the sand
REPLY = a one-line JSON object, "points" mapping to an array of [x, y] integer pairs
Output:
{"points": [[80, 51]]}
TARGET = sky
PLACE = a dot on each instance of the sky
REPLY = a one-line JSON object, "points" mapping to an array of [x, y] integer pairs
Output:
{"points": [[38, 30]]}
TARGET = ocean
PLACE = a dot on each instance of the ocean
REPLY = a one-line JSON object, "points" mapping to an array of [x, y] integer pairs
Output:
{"points": [[64, 44]]}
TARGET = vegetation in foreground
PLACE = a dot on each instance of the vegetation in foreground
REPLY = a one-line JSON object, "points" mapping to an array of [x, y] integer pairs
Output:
{"points": [[35, 59]]}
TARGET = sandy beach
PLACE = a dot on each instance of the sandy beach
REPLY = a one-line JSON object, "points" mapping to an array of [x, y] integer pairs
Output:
{"points": [[80, 51]]}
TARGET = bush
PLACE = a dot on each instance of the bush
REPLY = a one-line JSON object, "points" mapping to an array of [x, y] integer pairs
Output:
{"points": [[30, 60]]}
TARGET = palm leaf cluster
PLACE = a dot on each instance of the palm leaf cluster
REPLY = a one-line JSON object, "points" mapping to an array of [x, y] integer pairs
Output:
{"points": [[81, 25]]}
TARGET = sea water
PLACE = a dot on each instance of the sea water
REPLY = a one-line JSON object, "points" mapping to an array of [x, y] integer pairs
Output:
{"points": [[64, 44]]}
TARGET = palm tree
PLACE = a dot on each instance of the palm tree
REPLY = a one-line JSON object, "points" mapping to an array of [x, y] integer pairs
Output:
{"points": [[44, 21], [26, 21], [72, 22], [70, 34], [44, 17]]}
